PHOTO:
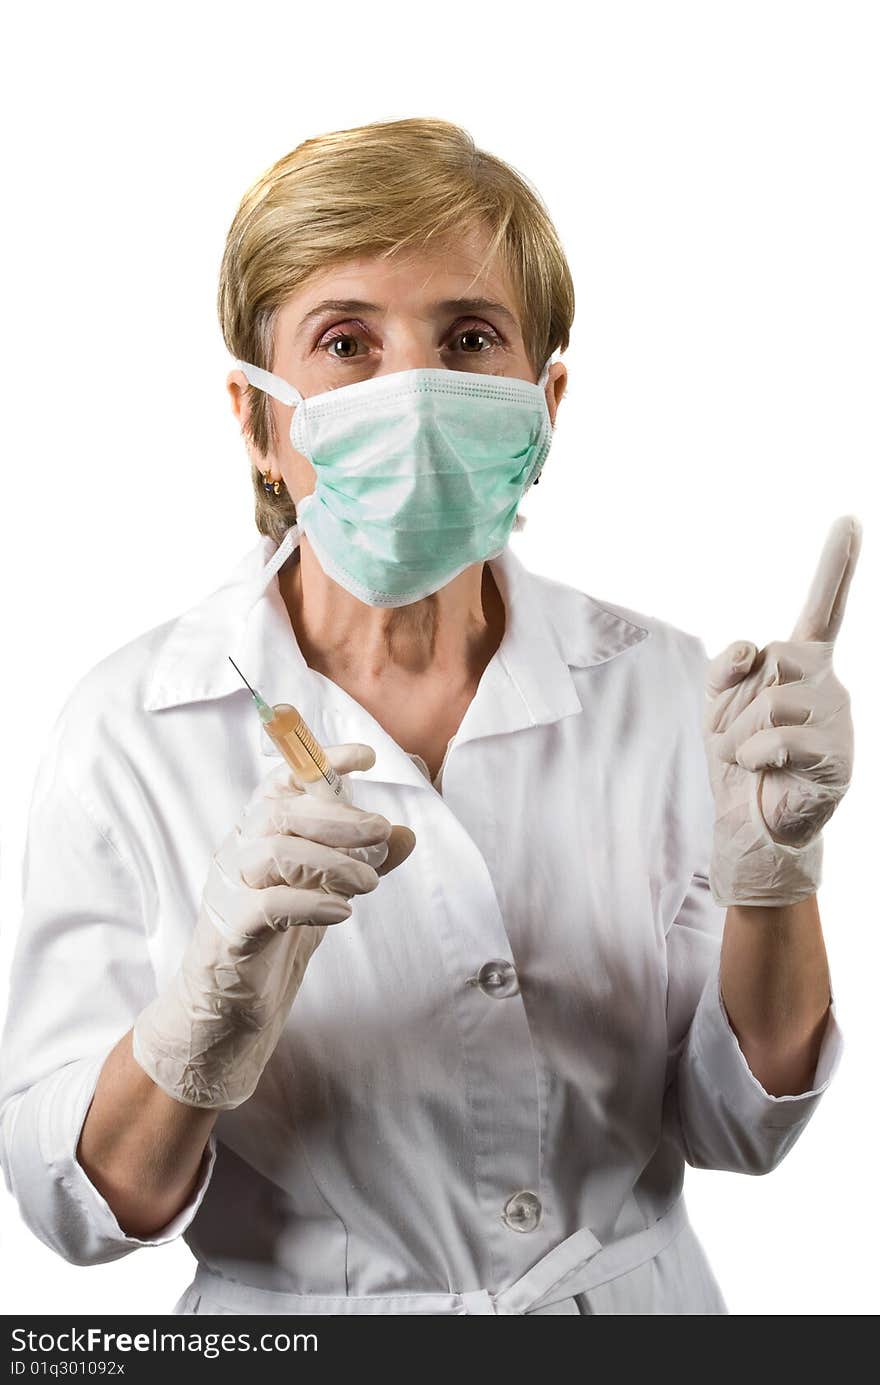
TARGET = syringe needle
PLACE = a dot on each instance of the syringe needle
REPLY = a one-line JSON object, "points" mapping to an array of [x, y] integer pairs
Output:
{"points": [[267, 713]]}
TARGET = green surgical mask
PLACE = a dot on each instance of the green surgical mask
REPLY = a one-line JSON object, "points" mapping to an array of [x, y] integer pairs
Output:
{"points": [[419, 474]]}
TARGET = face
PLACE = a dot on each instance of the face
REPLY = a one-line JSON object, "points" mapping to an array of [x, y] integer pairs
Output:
{"points": [[407, 317]]}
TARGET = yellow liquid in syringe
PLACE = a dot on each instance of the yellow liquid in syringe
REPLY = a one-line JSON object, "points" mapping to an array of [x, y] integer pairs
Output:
{"points": [[303, 753], [288, 731]]}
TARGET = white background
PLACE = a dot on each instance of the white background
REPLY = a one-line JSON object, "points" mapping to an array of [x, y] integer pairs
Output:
{"points": [[712, 170]]}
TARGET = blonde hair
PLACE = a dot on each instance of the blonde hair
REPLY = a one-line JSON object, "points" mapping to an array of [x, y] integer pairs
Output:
{"points": [[374, 190]]}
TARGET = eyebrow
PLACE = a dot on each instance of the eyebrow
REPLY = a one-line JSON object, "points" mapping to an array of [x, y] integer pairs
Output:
{"points": [[447, 305]]}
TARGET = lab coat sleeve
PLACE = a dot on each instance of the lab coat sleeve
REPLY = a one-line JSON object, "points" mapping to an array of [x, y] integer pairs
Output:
{"points": [[80, 975], [720, 1114]]}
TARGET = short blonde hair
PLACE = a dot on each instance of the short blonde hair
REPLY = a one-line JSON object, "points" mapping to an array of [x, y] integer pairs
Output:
{"points": [[374, 190]]}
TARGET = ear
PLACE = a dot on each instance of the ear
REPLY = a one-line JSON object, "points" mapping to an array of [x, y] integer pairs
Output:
{"points": [[557, 381], [237, 388], [237, 385]]}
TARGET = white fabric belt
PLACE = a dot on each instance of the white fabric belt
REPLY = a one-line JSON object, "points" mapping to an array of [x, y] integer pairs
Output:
{"points": [[577, 1264]]}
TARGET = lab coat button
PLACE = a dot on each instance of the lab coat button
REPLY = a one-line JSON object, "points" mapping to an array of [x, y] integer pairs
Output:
{"points": [[522, 1212], [497, 979]]}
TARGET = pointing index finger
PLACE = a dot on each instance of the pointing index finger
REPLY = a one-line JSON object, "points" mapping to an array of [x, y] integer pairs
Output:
{"points": [[822, 612]]}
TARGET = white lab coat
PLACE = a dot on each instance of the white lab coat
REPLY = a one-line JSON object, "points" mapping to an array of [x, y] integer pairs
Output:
{"points": [[418, 1142]]}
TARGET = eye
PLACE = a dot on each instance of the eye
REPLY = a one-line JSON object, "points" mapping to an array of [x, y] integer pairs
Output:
{"points": [[476, 338], [331, 338], [475, 333]]}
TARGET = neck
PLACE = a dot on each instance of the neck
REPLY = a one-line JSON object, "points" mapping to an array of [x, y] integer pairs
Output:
{"points": [[451, 634]]}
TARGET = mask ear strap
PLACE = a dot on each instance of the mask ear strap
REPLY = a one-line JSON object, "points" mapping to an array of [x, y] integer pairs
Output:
{"points": [[288, 543], [520, 522], [270, 384], [281, 554], [554, 356]]}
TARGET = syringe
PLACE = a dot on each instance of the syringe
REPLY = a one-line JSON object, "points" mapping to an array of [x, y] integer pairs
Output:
{"points": [[286, 728]]}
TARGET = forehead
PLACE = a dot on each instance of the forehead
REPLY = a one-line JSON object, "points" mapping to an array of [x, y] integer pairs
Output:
{"points": [[409, 278]]}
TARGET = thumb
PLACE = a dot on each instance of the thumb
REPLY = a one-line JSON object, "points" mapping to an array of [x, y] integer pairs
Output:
{"points": [[729, 667], [359, 756], [353, 755]]}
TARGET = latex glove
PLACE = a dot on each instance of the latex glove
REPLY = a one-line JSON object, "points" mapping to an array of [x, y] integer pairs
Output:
{"points": [[779, 741], [280, 878]]}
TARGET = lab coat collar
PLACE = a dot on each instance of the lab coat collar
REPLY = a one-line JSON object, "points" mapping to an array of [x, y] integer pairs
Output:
{"points": [[550, 628]]}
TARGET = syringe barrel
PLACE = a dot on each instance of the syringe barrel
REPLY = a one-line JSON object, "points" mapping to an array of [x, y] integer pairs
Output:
{"points": [[305, 755]]}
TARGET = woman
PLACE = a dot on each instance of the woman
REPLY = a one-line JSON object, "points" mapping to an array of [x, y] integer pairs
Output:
{"points": [[448, 1047]]}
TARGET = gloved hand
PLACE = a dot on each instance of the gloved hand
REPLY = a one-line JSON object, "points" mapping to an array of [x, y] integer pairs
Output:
{"points": [[779, 741], [286, 871]]}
